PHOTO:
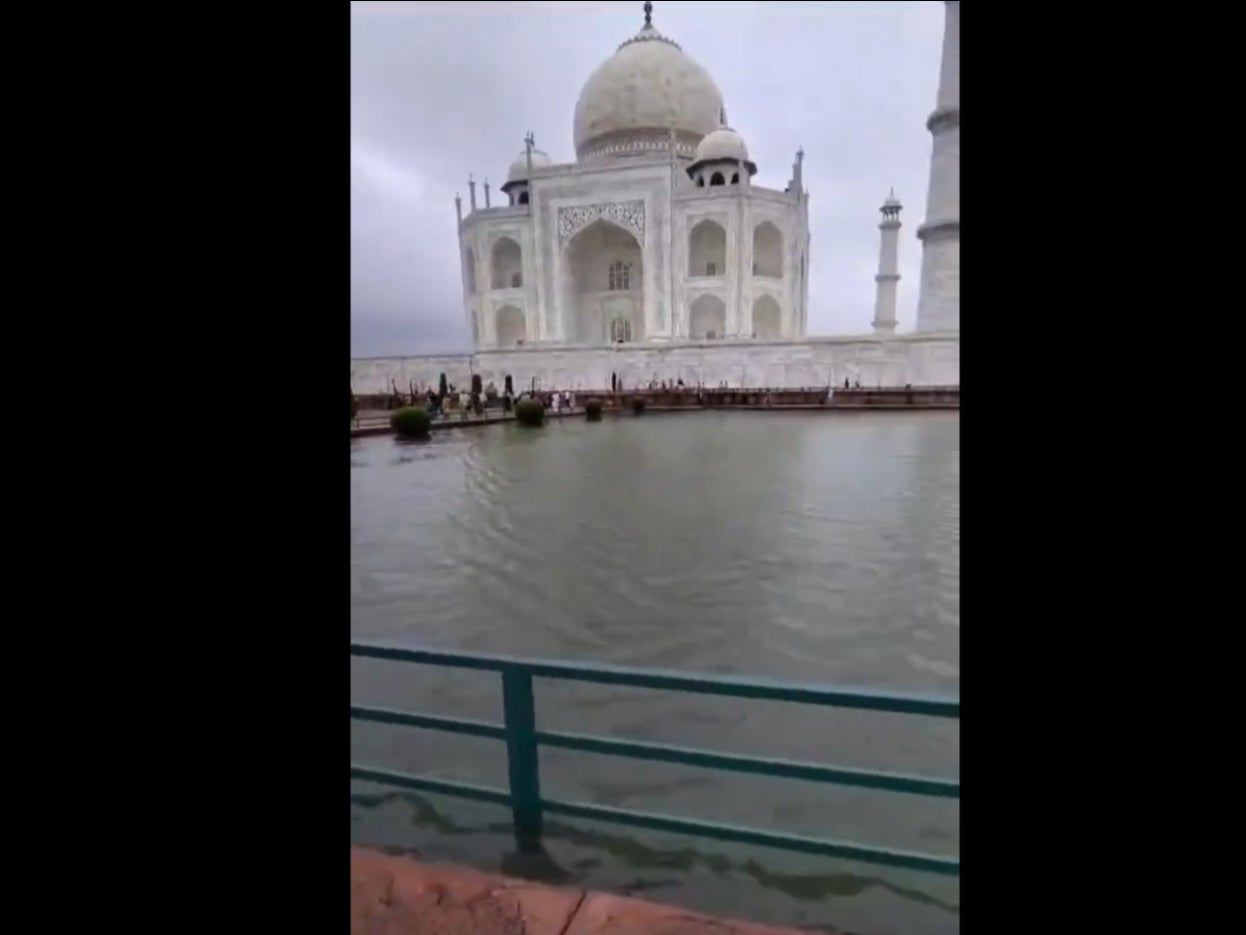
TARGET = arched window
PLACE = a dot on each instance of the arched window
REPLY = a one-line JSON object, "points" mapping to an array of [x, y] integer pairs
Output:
{"points": [[767, 251], [620, 331], [516, 280], [507, 260], [700, 181], [620, 278], [717, 179], [523, 198], [735, 178]]}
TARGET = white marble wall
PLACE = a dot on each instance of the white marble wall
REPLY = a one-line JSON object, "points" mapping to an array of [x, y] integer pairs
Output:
{"points": [[659, 206], [922, 360], [739, 211], [481, 235]]}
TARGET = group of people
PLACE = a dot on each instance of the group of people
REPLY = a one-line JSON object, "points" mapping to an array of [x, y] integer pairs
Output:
{"points": [[466, 402], [553, 400]]}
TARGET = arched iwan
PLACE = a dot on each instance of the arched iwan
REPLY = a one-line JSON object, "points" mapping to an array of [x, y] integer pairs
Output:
{"points": [[767, 318], [506, 264], [767, 250], [707, 249], [707, 318], [601, 285]]}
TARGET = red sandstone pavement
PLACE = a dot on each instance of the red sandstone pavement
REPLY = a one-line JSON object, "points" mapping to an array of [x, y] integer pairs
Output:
{"points": [[399, 896]]}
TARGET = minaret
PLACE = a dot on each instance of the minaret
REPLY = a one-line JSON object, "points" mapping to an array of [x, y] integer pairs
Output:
{"points": [[471, 190], [938, 307], [458, 207], [486, 194], [888, 268]]}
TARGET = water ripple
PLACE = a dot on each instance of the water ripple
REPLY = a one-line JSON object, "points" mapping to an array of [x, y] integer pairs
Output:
{"points": [[812, 548]]}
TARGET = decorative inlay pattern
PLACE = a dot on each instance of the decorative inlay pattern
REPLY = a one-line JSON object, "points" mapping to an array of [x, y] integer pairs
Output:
{"points": [[633, 142], [630, 215]]}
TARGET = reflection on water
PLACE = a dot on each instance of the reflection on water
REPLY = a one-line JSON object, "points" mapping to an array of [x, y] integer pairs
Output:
{"points": [[818, 547]]}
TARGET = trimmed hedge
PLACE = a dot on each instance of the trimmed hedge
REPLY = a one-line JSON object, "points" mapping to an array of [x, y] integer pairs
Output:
{"points": [[529, 412], [592, 410], [411, 422]]}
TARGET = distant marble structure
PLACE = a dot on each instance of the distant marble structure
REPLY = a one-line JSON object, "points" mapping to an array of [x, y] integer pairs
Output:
{"points": [[654, 256], [888, 268]]}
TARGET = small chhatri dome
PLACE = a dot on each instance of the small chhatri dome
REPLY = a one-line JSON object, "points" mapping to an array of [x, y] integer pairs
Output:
{"points": [[634, 99], [891, 210], [723, 143], [518, 171]]}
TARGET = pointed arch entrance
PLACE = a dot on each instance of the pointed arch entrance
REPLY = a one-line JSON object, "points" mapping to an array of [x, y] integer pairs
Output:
{"points": [[602, 285]]}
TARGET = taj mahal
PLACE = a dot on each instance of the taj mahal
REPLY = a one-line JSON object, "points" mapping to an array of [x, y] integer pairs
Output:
{"points": [[654, 256]]}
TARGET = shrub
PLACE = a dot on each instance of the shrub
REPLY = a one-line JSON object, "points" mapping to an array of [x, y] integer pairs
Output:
{"points": [[638, 406], [410, 422], [592, 410], [529, 412]]}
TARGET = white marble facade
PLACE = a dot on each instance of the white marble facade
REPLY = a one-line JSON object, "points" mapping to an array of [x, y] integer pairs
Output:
{"points": [[655, 234], [653, 255], [635, 254]]}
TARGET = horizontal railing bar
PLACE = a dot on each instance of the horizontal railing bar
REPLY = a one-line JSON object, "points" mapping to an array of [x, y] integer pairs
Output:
{"points": [[451, 725], [788, 769], [706, 759], [789, 842], [703, 684], [462, 790]]}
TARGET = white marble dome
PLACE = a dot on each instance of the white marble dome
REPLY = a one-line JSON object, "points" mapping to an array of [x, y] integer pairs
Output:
{"points": [[518, 172], [723, 143], [634, 98]]}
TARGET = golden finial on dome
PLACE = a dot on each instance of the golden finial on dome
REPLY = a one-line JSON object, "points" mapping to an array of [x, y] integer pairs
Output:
{"points": [[648, 13]]}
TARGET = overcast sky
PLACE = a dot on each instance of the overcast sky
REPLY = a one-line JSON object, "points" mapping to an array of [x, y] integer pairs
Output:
{"points": [[439, 90]]}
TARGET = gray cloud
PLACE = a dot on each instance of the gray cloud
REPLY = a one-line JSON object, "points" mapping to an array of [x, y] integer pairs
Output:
{"points": [[439, 90]]}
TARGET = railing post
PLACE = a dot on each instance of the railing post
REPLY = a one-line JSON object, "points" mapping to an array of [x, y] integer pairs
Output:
{"points": [[519, 712]]}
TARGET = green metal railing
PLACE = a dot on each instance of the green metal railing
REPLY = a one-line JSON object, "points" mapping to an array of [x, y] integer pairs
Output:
{"points": [[523, 739]]}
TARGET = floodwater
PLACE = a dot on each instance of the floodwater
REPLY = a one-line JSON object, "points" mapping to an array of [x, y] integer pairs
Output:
{"points": [[806, 546]]}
